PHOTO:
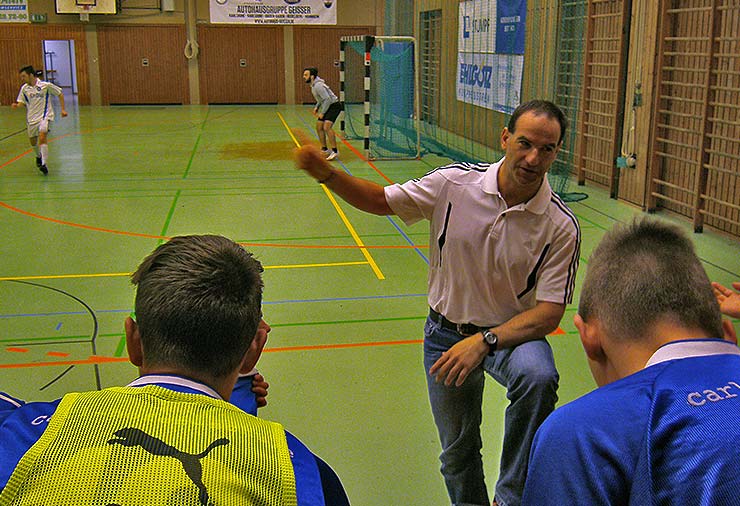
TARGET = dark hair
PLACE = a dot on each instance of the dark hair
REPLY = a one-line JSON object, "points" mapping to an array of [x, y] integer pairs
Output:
{"points": [[312, 71], [643, 272], [198, 304], [28, 70], [540, 107]]}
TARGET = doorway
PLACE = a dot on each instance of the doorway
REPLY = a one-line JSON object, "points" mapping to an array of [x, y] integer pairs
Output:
{"points": [[59, 65]]}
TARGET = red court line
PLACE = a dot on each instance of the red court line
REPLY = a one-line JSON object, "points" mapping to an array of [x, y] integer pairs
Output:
{"points": [[165, 238], [96, 359], [344, 141]]}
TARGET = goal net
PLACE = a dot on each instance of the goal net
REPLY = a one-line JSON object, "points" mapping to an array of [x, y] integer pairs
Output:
{"points": [[380, 96]]}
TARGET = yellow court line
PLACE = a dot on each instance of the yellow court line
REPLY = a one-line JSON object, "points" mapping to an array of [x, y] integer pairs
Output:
{"points": [[347, 224], [126, 274]]}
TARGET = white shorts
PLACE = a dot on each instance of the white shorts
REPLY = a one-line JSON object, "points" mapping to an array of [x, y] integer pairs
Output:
{"points": [[40, 126]]}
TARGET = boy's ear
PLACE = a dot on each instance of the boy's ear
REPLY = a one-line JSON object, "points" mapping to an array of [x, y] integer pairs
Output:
{"points": [[133, 342], [590, 338], [252, 356]]}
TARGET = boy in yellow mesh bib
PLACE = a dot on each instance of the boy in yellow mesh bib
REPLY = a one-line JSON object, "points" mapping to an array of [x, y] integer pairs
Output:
{"points": [[170, 437]]}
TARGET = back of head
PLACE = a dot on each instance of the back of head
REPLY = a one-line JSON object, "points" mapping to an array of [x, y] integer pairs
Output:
{"points": [[540, 108], [198, 304], [644, 272]]}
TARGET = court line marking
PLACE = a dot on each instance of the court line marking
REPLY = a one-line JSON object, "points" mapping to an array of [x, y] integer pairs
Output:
{"points": [[98, 359], [355, 236], [388, 217], [126, 274]]}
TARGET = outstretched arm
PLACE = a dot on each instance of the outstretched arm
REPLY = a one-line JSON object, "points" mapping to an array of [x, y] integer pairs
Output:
{"points": [[360, 193]]}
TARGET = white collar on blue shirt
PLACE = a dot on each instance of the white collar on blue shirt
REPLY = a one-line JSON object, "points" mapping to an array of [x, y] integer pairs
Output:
{"points": [[164, 379], [692, 348]]}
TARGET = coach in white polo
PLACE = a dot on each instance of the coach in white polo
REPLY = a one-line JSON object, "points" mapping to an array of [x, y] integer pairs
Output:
{"points": [[503, 257]]}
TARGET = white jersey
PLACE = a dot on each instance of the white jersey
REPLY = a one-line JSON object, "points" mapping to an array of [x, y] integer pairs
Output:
{"points": [[37, 100]]}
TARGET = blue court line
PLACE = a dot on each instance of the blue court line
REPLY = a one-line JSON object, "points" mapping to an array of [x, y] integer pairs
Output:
{"points": [[395, 225], [265, 303]]}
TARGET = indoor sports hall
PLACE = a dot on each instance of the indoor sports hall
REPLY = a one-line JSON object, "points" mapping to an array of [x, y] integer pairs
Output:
{"points": [[204, 144]]}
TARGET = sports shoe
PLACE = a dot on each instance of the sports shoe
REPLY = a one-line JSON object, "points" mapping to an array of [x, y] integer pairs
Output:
{"points": [[43, 169], [38, 162], [332, 155]]}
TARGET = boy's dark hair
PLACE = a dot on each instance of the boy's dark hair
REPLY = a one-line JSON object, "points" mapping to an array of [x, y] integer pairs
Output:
{"points": [[28, 69], [198, 304], [312, 71]]}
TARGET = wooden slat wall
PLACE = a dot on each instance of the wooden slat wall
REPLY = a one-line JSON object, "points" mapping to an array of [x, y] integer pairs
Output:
{"points": [[224, 81], [319, 47], [600, 124], [568, 78], [21, 45], [123, 78], [696, 149]]}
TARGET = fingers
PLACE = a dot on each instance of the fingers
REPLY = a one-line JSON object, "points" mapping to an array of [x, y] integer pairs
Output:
{"points": [[736, 285], [310, 159], [723, 290]]}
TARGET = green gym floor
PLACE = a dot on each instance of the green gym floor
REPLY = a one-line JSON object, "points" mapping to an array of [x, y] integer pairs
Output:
{"points": [[345, 291]]}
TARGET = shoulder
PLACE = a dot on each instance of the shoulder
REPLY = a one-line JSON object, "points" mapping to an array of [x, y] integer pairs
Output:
{"points": [[458, 173], [562, 217], [600, 411]]}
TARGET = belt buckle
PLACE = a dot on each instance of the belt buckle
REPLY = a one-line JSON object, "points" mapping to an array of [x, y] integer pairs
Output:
{"points": [[461, 329]]}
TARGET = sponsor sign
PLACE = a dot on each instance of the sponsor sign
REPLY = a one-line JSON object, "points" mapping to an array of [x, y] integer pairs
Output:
{"points": [[14, 11], [491, 53], [274, 12]]}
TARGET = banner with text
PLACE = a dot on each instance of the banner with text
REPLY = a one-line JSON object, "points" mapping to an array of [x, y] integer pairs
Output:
{"points": [[14, 11], [491, 53], [274, 12]]}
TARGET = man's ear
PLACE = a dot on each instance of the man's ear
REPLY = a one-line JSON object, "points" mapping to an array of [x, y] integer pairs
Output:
{"points": [[590, 338], [133, 342], [254, 351], [729, 328], [505, 134]]}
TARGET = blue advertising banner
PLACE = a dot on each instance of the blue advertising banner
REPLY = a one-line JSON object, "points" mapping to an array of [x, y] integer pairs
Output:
{"points": [[491, 53]]}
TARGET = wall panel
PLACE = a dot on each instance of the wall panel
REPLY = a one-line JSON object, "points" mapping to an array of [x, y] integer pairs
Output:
{"points": [[125, 79], [241, 64]]}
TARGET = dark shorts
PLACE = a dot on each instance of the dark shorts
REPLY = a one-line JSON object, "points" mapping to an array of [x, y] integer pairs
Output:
{"points": [[332, 113]]}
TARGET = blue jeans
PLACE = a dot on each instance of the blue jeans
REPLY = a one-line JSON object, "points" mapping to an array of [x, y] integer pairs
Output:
{"points": [[531, 380]]}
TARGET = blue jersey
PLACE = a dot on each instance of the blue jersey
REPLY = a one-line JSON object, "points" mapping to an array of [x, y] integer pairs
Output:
{"points": [[22, 424], [666, 435]]}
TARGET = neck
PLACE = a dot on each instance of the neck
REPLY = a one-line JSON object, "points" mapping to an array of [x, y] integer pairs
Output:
{"points": [[514, 194], [222, 386], [633, 354]]}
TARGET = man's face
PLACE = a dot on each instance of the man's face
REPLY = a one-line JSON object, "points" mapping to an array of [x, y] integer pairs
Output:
{"points": [[530, 149], [27, 78], [307, 76]]}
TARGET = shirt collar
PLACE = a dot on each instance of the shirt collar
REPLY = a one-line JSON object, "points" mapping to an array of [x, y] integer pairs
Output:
{"points": [[537, 204], [172, 382], [692, 348]]}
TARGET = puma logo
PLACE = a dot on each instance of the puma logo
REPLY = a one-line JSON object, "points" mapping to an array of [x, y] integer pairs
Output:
{"points": [[132, 437]]}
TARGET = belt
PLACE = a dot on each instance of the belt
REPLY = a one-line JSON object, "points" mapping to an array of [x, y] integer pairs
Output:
{"points": [[464, 329]]}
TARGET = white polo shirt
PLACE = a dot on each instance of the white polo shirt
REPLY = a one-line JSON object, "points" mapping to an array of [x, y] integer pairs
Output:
{"points": [[488, 262], [38, 101]]}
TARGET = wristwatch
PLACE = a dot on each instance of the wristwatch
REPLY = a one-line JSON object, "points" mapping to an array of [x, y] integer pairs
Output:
{"points": [[491, 339]]}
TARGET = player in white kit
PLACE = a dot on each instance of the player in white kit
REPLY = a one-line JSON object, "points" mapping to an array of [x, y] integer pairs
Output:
{"points": [[34, 95]]}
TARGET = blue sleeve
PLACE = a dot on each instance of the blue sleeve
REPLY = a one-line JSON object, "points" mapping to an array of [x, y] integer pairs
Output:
{"points": [[8, 405], [316, 483], [243, 397], [19, 430]]}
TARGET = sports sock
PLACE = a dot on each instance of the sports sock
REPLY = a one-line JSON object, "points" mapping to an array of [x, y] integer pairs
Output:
{"points": [[323, 148], [44, 153], [335, 150]]}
